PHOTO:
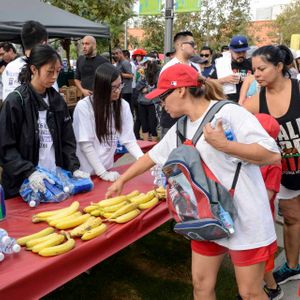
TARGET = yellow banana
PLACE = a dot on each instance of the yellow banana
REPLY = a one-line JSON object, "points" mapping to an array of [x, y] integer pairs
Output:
{"points": [[150, 195], [60, 249], [94, 232], [96, 212], [90, 208], [70, 223], [92, 222], [47, 214], [55, 240], [148, 204], [106, 215], [71, 209], [160, 189], [34, 242], [133, 194], [126, 217], [23, 240], [114, 208], [112, 201], [123, 210], [54, 222], [133, 199]]}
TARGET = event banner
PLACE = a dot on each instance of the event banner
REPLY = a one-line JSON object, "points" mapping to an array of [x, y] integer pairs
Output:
{"points": [[150, 7], [183, 6]]}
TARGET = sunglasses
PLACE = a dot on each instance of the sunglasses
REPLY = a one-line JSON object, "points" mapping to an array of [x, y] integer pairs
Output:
{"points": [[204, 55], [163, 96], [192, 44]]}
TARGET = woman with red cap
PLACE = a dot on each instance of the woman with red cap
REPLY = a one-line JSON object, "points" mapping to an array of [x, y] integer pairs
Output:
{"points": [[183, 93]]}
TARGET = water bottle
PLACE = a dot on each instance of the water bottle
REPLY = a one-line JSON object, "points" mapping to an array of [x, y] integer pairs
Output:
{"points": [[159, 177], [1, 256], [226, 220], [3, 236], [10, 246], [226, 127], [2, 204]]}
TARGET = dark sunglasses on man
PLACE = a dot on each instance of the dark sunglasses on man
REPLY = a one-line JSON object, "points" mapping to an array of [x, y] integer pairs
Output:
{"points": [[204, 55]]}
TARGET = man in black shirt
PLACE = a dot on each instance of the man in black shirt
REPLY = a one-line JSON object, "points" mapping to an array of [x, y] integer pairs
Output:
{"points": [[7, 54], [240, 65], [87, 64]]}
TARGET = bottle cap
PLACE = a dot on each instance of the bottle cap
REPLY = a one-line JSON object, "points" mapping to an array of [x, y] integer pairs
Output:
{"points": [[66, 189], [1, 256], [231, 230], [32, 203], [5, 239], [16, 248]]}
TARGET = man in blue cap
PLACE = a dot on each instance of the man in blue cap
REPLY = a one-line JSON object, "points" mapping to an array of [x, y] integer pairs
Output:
{"points": [[240, 65]]}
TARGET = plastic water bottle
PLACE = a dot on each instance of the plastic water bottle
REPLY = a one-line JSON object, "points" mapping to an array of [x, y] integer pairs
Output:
{"points": [[159, 177], [226, 127], [3, 236], [1, 256], [10, 246], [226, 220], [35, 199]]}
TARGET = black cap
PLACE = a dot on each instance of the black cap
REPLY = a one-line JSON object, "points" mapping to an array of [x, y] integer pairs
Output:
{"points": [[169, 53]]}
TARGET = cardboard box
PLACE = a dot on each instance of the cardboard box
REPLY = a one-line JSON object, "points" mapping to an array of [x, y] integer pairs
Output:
{"points": [[70, 94]]}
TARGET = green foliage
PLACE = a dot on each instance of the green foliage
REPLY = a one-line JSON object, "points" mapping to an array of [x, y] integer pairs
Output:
{"points": [[288, 22], [214, 25]]}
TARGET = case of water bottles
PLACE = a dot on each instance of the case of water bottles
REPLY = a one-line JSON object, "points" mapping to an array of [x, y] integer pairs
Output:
{"points": [[64, 186], [159, 177], [8, 245]]}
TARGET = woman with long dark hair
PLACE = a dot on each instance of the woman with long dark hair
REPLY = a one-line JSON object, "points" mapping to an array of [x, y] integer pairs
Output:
{"points": [[100, 121], [35, 126], [280, 97]]}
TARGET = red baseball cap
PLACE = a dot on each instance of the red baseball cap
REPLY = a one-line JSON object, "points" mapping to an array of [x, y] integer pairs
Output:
{"points": [[179, 75], [270, 125]]}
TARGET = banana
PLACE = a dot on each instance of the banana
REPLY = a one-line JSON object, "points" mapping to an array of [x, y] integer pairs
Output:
{"points": [[55, 240], [46, 214], [34, 242], [94, 232], [58, 220], [133, 194], [23, 240], [150, 195], [126, 217], [71, 209], [107, 215], [112, 201], [73, 222], [90, 208], [60, 249], [114, 208], [133, 199], [92, 222], [123, 210], [96, 212], [148, 204], [160, 189]]}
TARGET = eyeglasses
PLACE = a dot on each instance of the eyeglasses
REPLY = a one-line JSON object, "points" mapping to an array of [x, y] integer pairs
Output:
{"points": [[117, 87], [204, 55], [163, 96], [192, 44]]}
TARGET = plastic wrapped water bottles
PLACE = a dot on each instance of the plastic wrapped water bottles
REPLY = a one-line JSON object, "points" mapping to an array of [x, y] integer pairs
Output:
{"points": [[3, 235], [159, 177], [8, 244], [226, 127]]}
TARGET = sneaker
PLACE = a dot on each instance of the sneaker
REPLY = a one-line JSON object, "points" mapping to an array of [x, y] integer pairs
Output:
{"points": [[285, 274], [274, 294]]}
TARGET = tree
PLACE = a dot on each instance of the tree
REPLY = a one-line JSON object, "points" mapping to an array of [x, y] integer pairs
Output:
{"points": [[214, 25], [288, 21]]}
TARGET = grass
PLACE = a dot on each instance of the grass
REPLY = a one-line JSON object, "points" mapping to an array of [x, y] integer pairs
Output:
{"points": [[156, 267]]}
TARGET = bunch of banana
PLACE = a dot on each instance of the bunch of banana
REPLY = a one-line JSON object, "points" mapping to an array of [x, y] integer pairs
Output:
{"points": [[59, 249], [91, 223], [56, 239], [126, 217], [160, 193], [48, 216], [148, 204], [142, 198], [45, 232], [94, 232], [72, 222]]}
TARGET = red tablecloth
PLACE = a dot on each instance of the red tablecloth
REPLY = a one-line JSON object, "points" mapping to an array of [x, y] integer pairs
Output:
{"points": [[29, 276], [145, 146]]}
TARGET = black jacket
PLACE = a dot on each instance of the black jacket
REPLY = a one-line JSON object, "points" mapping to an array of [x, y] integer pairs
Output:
{"points": [[19, 135]]}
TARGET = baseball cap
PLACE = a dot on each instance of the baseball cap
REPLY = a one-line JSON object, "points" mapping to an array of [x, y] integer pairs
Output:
{"points": [[239, 43], [179, 75], [270, 125], [197, 59], [170, 52]]}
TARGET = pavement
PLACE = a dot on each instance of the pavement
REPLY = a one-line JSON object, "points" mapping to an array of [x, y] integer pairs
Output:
{"points": [[291, 289]]}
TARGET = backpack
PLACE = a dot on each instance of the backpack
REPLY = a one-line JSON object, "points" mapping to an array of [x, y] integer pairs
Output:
{"points": [[202, 207]]}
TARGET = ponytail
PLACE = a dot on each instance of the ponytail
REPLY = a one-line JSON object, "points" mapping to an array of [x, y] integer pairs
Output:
{"points": [[25, 74]]}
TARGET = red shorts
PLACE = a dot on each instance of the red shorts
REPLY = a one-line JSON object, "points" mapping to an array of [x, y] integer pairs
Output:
{"points": [[241, 258]]}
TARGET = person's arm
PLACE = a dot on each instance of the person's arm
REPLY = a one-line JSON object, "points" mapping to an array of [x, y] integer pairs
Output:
{"points": [[140, 166], [252, 153], [252, 104], [85, 92], [244, 88], [126, 71], [134, 149]]}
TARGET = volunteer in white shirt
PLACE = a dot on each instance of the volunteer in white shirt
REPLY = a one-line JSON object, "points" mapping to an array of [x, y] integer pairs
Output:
{"points": [[254, 239], [100, 121], [35, 126]]}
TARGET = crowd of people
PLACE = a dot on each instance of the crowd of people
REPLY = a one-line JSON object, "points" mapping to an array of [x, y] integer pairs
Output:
{"points": [[136, 96]]}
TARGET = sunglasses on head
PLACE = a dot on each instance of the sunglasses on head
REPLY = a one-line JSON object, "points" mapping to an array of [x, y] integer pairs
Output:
{"points": [[192, 43], [204, 55], [163, 96]]}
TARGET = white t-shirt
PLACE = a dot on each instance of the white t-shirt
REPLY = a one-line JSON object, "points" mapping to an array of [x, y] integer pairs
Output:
{"points": [[46, 150], [254, 225], [85, 131], [10, 76], [175, 61]]}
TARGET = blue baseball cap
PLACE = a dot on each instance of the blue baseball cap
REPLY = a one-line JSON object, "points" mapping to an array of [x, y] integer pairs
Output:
{"points": [[239, 43]]}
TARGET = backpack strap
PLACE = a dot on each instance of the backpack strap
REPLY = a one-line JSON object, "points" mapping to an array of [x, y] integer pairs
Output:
{"points": [[181, 130], [208, 118], [20, 95]]}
